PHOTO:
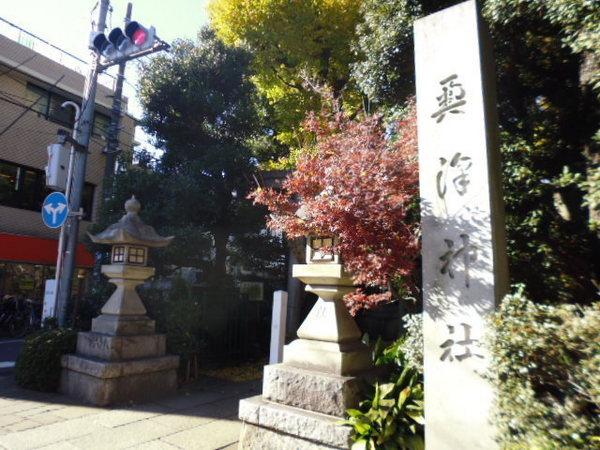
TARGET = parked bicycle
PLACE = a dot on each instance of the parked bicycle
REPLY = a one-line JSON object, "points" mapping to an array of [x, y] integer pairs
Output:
{"points": [[18, 316]]}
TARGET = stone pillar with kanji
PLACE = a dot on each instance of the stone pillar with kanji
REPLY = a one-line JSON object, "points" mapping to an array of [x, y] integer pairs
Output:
{"points": [[463, 245], [122, 359]]}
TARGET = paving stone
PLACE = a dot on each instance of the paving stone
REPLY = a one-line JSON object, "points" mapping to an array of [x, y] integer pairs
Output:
{"points": [[9, 420], [214, 435], [120, 417], [233, 446], [132, 434], [253, 437], [22, 424], [199, 415], [185, 400], [62, 423], [179, 421], [49, 434], [60, 446], [34, 411], [74, 412], [157, 444], [47, 418], [18, 406]]}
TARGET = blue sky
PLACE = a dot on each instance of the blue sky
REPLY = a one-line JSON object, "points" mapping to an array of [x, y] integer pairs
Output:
{"points": [[67, 24]]}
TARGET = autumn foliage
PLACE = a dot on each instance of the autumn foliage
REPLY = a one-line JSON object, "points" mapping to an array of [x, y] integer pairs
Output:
{"points": [[360, 185]]}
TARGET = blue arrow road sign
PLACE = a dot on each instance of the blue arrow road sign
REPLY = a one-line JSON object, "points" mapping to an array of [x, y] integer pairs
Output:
{"points": [[55, 210]]}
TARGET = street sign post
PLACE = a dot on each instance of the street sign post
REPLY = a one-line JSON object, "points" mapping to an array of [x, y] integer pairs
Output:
{"points": [[55, 210]]}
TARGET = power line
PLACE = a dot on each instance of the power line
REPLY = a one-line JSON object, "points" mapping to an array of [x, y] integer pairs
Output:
{"points": [[11, 68], [71, 55], [28, 109]]}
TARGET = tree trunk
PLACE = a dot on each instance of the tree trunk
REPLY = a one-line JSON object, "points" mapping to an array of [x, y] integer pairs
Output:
{"points": [[221, 237]]}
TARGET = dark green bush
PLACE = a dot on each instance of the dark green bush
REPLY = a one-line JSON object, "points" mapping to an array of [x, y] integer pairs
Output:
{"points": [[548, 362], [391, 417], [177, 314], [38, 366]]}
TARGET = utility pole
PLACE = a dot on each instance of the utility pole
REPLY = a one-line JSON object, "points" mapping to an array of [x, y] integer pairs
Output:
{"points": [[82, 136], [112, 147]]}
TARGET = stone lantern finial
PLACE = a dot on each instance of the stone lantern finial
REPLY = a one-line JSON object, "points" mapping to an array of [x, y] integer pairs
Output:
{"points": [[133, 205]]}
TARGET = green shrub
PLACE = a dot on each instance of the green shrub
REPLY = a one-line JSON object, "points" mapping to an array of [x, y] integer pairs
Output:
{"points": [[182, 320], [392, 415], [177, 314], [548, 361], [38, 366]]}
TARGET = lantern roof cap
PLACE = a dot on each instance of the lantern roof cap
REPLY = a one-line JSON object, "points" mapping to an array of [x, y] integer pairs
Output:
{"points": [[131, 230]]}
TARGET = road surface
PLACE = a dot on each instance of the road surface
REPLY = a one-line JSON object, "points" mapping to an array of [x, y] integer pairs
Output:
{"points": [[9, 350]]}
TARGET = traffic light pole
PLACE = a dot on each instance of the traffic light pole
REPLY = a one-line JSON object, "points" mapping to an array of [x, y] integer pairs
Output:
{"points": [[82, 135], [112, 148]]}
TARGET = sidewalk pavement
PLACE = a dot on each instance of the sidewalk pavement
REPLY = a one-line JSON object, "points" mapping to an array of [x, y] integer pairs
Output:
{"points": [[203, 416]]}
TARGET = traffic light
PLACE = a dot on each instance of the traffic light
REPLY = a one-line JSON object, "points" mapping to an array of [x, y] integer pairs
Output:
{"points": [[118, 39], [140, 37], [119, 44], [102, 45]]}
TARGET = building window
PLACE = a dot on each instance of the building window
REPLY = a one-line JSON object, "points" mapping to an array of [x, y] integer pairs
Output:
{"points": [[39, 99], [9, 176], [25, 188], [58, 114], [48, 104], [87, 201]]}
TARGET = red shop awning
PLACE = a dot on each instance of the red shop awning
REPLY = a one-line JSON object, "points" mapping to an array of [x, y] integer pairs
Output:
{"points": [[34, 250]]}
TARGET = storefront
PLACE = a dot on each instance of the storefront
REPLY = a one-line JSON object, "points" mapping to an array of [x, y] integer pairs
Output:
{"points": [[26, 262]]}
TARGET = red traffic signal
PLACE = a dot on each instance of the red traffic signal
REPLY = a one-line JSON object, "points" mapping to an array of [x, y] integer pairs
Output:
{"points": [[137, 33]]}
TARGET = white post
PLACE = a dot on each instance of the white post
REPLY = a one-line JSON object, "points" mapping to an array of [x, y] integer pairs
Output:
{"points": [[280, 299], [49, 299]]}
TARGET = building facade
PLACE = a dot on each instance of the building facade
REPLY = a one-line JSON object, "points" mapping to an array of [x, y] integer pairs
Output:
{"points": [[32, 89]]}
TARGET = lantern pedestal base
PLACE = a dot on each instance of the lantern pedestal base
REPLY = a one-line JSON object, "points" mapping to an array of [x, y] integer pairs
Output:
{"points": [[121, 360], [122, 325], [105, 383], [330, 357], [272, 426]]}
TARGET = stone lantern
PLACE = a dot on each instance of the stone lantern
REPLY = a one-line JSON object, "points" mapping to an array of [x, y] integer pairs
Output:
{"points": [[122, 359], [305, 397]]}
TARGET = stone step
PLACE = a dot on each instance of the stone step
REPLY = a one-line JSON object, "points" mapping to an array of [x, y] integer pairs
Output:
{"points": [[116, 348], [272, 423], [107, 383], [310, 390], [114, 369]]}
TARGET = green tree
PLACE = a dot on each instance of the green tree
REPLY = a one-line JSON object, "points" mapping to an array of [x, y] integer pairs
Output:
{"points": [[546, 55], [299, 49], [200, 106], [384, 70]]}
